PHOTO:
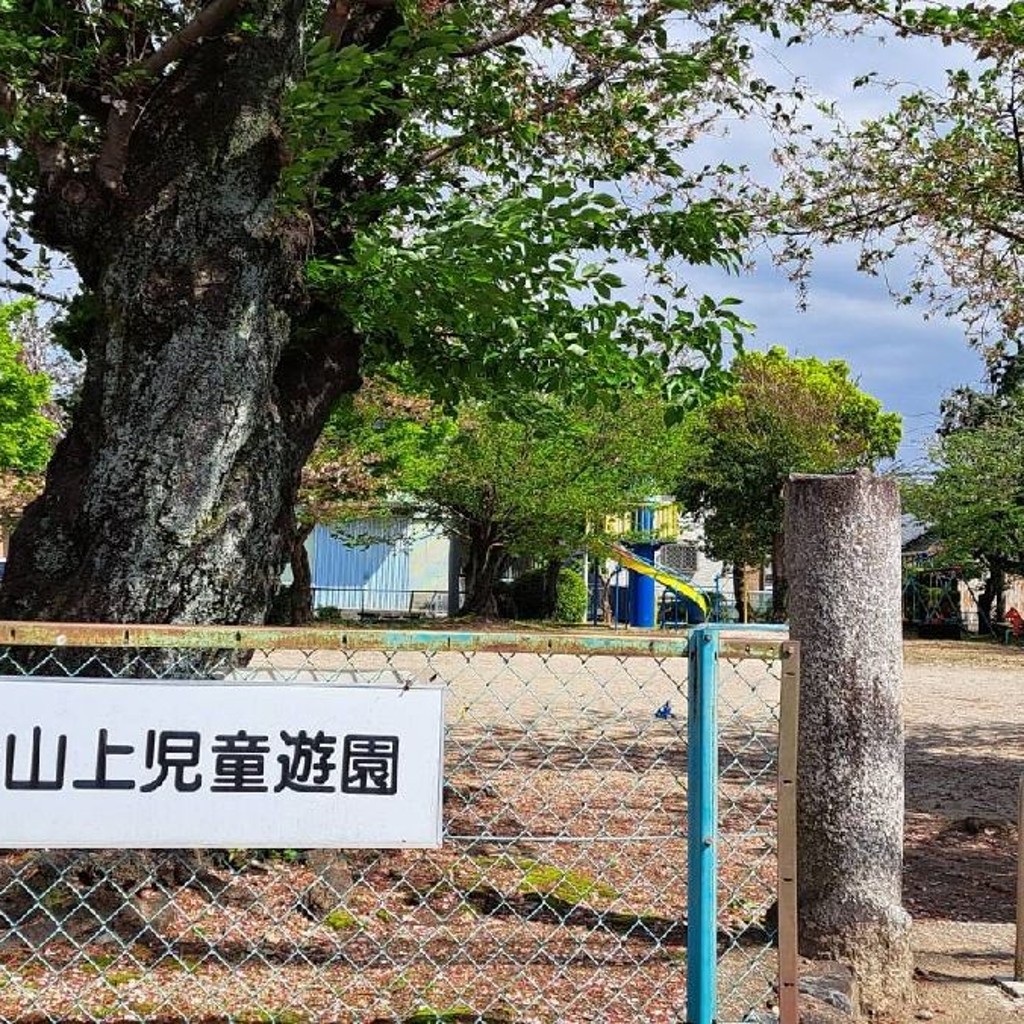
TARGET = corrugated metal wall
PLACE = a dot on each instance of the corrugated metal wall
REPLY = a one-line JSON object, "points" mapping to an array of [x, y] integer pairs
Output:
{"points": [[362, 576], [380, 565]]}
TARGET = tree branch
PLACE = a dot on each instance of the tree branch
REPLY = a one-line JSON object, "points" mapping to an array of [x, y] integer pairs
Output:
{"points": [[339, 13], [1015, 123], [8, 101], [125, 111], [114, 152], [513, 32], [566, 99], [208, 20], [864, 219], [1016, 237], [24, 288]]}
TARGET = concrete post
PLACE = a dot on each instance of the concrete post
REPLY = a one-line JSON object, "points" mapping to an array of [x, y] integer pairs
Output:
{"points": [[843, 558]]}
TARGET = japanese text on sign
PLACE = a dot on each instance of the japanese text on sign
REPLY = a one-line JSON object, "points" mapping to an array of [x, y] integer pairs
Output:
{"points": [[219, 764], [368, 764]]}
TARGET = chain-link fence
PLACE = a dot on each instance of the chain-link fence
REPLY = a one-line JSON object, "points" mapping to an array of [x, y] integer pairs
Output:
{"points": [[560, 891]]}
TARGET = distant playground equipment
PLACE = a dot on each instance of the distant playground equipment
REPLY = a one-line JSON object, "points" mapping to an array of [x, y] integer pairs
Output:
{"points": [[653, 525], [932, 601], [642, 611]]}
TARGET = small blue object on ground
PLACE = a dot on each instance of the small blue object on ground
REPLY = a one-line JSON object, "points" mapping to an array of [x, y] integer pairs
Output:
{"points": [[665, 711]]}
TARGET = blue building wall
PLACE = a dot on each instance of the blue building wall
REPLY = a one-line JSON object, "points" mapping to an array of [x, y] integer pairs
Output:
{"points": [[406, 569]]}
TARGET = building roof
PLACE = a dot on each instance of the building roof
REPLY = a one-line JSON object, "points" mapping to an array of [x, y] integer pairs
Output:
{"points": [[911, 530]]}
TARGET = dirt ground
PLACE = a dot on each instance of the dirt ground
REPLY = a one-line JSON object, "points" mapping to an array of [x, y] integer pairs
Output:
{"points": [[964, 705], [523, 816]]}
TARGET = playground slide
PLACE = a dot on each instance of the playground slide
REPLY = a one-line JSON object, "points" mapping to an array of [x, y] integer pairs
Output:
{"points": [[632, 561]]}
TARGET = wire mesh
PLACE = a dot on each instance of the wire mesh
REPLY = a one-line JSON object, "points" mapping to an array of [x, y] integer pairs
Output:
{"points": [[559, 893], [749, 691]]}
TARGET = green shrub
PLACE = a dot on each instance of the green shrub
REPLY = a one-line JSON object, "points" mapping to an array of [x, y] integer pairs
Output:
{"points": [[529, 597], [328, 613], [570, 596]]}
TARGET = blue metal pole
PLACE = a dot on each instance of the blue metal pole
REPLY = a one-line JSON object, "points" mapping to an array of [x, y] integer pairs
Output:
{"points": [[641, 588], [702, 824]]}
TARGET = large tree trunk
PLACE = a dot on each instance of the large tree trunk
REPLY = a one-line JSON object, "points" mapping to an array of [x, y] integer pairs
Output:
{"points": [[485, 556], [171, 498], [301, 594]]}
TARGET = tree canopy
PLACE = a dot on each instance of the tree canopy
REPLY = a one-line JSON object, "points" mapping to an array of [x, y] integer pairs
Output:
{"points": [[533, 486], [451, 163], [538, 485], [966, 407], [940, 177], [380, 445], [783, 415], [265, 198]]}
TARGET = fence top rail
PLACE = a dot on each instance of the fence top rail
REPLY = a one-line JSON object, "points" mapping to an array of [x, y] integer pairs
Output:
{"points": [[67, 634]]}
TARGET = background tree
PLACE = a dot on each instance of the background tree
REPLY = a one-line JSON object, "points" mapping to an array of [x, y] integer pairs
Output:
{"points": [[940, 177], [782, 415], [968, 407], [263, 196], [26, 434], [379, 446], [540, 485], [29, 419], [974, 503]]}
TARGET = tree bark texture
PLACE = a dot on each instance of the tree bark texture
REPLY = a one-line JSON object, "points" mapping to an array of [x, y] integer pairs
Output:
{"points": [[301, 596], [171, 497], [485, 557], [843, 554]]}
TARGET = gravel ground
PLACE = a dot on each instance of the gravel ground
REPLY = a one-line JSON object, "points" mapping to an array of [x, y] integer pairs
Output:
{"points": [[964, 705], [559, 895]]}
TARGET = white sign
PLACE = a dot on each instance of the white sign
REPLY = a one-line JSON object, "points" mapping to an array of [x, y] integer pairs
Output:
{"points": [[133, 763]]}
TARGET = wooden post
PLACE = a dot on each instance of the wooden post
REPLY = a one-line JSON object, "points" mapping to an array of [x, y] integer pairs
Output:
{"points": [[1018, 959], [789, 705]]}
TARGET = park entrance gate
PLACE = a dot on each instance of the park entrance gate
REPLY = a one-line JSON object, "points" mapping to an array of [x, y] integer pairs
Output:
{"points": [[617, 846]]}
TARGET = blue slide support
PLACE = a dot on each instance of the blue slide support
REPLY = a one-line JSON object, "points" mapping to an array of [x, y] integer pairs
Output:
{"points": [[641, 588]]}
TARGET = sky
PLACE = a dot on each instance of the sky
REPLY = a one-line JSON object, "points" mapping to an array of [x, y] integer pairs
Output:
{"points": [[907, 361]]}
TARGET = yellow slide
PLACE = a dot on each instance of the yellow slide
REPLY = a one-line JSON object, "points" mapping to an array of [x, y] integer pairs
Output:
{"points": [[632, 561]]}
